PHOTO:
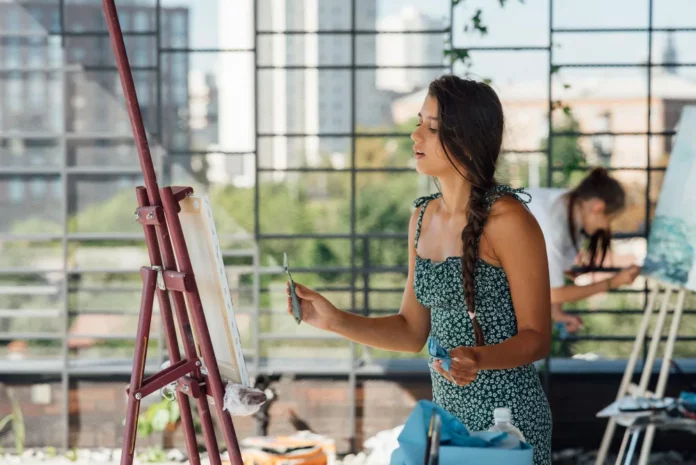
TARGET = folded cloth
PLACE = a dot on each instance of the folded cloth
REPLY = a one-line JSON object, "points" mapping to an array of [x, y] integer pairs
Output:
{"points": [[457, 444], [438, 352]]}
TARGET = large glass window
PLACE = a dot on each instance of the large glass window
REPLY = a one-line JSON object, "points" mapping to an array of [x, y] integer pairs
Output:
{"points": [[297, 127]]}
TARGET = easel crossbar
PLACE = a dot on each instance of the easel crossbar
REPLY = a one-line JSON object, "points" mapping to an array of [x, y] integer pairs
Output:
{"points": [[165, 377]]}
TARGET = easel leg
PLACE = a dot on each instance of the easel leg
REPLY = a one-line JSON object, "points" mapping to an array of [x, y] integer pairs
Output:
{"points": [[652, 350], [628, 373], [631, 450], [182, 399], [622, 449], [149, 277], [202, 401], [170, 335], [664, 372]]}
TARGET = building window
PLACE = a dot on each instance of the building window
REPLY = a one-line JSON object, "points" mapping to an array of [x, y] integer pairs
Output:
{"points": [[37, 16], [14, 93], [124, 182], [143, 93], [179, 23], [38, 187], [140, 58], [142, 21], [179, 31], [78, 54], [180, 141], [36, 91], [12, 18], [55, 21], [124, 19], [36, 52], [77, 27], [12, 49], [55, 52], [16, 190]]}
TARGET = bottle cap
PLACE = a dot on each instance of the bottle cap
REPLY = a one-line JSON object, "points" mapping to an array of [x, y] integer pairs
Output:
{"points": [[502, 414]]}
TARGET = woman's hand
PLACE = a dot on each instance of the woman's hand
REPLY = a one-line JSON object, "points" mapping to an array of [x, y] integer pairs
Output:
{"points": [[571, 322], [317, 311], [625, 277], [464, 367]]}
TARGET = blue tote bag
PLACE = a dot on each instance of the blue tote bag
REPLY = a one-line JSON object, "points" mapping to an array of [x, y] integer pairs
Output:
{"points": [[457, 445]]}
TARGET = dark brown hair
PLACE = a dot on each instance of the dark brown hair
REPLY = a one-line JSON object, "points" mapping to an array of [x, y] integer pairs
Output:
{"points": [[598, 184], [470, 130]]}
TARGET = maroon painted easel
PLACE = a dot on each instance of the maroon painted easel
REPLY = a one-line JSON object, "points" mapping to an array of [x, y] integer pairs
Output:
{"points": [[158, 212]]}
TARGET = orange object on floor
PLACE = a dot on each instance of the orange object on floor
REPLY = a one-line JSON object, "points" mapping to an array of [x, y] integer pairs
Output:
{"points": [[313, 456], [286, 450]]}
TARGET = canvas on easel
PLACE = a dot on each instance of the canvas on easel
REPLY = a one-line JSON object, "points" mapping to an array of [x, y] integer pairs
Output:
{"points": [[670, 268], [671, 256], [198, 225]]}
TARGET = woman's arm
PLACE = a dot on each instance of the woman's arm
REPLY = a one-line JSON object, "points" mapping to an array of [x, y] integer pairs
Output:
{"points": [[519, 246], [406, 331], [572, 292]]}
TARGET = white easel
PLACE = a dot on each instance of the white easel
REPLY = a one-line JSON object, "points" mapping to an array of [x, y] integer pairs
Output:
{"points": [[628, 388]]}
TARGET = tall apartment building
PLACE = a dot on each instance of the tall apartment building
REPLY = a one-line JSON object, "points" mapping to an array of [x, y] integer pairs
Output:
{"points": [[61, 99]]}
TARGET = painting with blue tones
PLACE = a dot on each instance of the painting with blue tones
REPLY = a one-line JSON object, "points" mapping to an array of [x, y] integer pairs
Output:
{"points": [[672, 241]]}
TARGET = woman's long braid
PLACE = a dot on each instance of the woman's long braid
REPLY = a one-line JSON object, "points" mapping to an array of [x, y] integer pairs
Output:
{"points": [[471, 124], [470, 235]]}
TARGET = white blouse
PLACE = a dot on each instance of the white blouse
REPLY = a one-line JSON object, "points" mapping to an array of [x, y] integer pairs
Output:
{"points": [[550, 208]]}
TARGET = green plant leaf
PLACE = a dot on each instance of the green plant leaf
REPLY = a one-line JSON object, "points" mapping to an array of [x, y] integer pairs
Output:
{"points": [[5, 421], [71, 455], [174, 413], [144, 426], [478, 22], [160, 420], [17, 424]]}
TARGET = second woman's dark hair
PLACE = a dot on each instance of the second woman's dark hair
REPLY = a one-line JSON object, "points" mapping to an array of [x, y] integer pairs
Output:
{"points": [[470, 129], [598, 184]]}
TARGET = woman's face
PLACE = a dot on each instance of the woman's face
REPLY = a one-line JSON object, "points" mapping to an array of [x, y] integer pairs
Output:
{"points": [[431, 159], [594, 216]]}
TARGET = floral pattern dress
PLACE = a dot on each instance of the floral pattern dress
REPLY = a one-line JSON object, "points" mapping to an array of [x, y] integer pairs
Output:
{"points": [[438, 286]]}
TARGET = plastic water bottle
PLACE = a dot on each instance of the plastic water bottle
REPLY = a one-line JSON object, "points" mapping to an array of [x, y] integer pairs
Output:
{"points": [[502, 422]]}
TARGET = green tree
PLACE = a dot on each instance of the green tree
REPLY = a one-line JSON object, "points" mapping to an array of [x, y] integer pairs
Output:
{"points": [[567, 156]]}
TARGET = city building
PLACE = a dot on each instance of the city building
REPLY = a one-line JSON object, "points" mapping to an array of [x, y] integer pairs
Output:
{"points": [[298, 100], [408, 49], [61, 102]]}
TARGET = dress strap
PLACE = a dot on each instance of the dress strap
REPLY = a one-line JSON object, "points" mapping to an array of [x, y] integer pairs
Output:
{"points": [[498, 191], [503, 189], [422, 201]]}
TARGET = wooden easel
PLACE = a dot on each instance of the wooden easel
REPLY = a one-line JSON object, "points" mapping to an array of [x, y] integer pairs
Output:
{"points": [[628, 388], [169, 276]]}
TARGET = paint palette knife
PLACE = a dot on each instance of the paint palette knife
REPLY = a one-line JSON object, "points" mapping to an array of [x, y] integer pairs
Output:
{"points": [[295, 301]]}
